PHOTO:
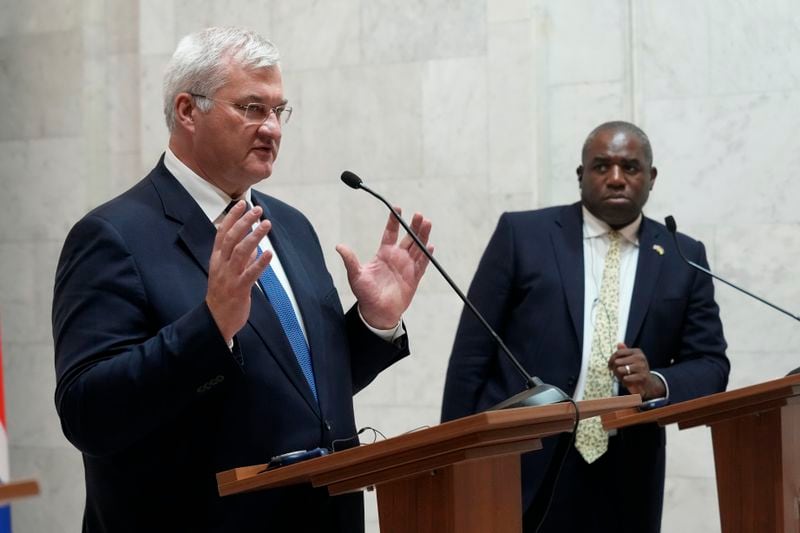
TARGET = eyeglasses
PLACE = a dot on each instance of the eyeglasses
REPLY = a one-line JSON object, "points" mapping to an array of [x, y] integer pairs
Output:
{"points": [[255, 113]]}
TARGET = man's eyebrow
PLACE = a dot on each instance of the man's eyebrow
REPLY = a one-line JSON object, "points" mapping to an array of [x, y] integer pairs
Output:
{"points": [[606, 159], [254, 98]]}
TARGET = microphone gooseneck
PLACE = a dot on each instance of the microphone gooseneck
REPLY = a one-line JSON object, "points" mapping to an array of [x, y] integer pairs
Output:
{"points": [[538, 392], [673, 228]]}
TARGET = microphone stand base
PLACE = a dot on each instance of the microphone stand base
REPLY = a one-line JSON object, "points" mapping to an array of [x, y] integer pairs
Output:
{"points": [[543, 394]]}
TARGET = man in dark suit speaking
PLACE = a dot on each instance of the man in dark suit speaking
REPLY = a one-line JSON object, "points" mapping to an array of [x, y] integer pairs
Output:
{"points": [[595, 299], [183, 349]]}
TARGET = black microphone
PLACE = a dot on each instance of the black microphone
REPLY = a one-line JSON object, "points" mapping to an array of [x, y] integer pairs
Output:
{"points": [[673, 228], [537, 392]]}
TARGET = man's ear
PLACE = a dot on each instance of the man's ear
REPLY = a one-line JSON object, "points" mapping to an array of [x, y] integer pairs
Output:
{"points": [[579, 172], [184, 108], [653, 174]]}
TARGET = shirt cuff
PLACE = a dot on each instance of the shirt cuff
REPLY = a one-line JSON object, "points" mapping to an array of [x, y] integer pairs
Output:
{"points": [[663, 380], [387, 335]]}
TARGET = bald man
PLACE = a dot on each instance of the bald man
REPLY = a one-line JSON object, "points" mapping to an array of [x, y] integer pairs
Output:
{"points": [[594, 298]]}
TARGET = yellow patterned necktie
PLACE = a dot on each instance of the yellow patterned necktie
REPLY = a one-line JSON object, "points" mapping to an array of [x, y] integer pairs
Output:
{"points": [[592, 440]]}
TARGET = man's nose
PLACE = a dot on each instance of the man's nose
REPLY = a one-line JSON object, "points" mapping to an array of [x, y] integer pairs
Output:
{"points": [[271, 126], [615, 176]]}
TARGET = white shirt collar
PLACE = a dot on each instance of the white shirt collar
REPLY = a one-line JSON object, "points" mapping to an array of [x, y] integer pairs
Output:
{"points": [[211, 199], [594, 227]]}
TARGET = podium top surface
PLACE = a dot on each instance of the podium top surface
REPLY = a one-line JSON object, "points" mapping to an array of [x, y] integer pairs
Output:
{"points": [[716, 407], [523, 426]]}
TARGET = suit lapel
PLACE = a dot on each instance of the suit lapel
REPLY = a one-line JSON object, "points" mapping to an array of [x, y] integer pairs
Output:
{"points": [[308, 303], [267, 326], [647, 271], [196, 232], [567, 242], [197, 236]]}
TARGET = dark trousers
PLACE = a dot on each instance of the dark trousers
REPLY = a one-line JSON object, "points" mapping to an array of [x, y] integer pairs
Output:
{"points": [[621, 492]]}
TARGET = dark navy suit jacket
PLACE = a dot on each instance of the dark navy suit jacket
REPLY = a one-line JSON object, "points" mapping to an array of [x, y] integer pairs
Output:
{"points": [[149, 392], [530, 287]]}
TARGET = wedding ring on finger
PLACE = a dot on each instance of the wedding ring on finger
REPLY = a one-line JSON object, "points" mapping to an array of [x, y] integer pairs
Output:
{"points": [[628, 370]]}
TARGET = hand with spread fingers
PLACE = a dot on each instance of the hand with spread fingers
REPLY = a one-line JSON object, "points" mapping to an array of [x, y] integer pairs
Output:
{"points": [[234, 268], [631, 368], [385, 286]]}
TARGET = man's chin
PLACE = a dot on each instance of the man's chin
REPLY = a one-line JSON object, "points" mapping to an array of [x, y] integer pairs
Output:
{"points": [[617, 216], [620, 220], [260, 171]]}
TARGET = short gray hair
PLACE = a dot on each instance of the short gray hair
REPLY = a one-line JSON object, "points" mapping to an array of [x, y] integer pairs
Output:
{"points": [[200, 63]]}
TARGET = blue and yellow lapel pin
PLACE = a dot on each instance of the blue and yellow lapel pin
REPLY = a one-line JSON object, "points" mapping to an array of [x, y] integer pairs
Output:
{"points": [[659, 249]]}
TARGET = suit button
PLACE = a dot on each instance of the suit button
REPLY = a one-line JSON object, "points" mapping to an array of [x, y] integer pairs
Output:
{"points": [[205, 387], [571, 381], [327, 425]]}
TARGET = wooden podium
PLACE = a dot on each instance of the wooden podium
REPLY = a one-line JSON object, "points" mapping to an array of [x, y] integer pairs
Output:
{"points": [[14, 490], [459, 477], [756, 437]]}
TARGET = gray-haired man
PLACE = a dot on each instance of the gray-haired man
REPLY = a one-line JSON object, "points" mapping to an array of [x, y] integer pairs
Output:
{"points": [[196, 326]]}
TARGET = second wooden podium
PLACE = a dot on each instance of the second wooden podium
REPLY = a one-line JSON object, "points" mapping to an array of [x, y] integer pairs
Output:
{"points": [[462, 476], [756, 434]]}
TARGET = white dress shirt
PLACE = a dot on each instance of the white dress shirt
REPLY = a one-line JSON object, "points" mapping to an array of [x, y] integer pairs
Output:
{"points": [[595, 247]]}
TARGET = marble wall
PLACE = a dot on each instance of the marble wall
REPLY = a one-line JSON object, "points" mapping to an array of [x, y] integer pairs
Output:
{"points": [[461, 109]]}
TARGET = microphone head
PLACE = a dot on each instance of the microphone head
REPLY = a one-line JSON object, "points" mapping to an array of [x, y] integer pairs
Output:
{"points": [[671, 226], [351, 180]]}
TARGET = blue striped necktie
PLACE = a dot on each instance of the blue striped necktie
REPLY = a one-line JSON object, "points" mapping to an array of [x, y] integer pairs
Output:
{"points": [[291, 326], [277, 296]]}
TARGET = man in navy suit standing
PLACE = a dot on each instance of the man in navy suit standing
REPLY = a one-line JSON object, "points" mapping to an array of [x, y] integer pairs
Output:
{"points": [[197, 328], [595, 299]]}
